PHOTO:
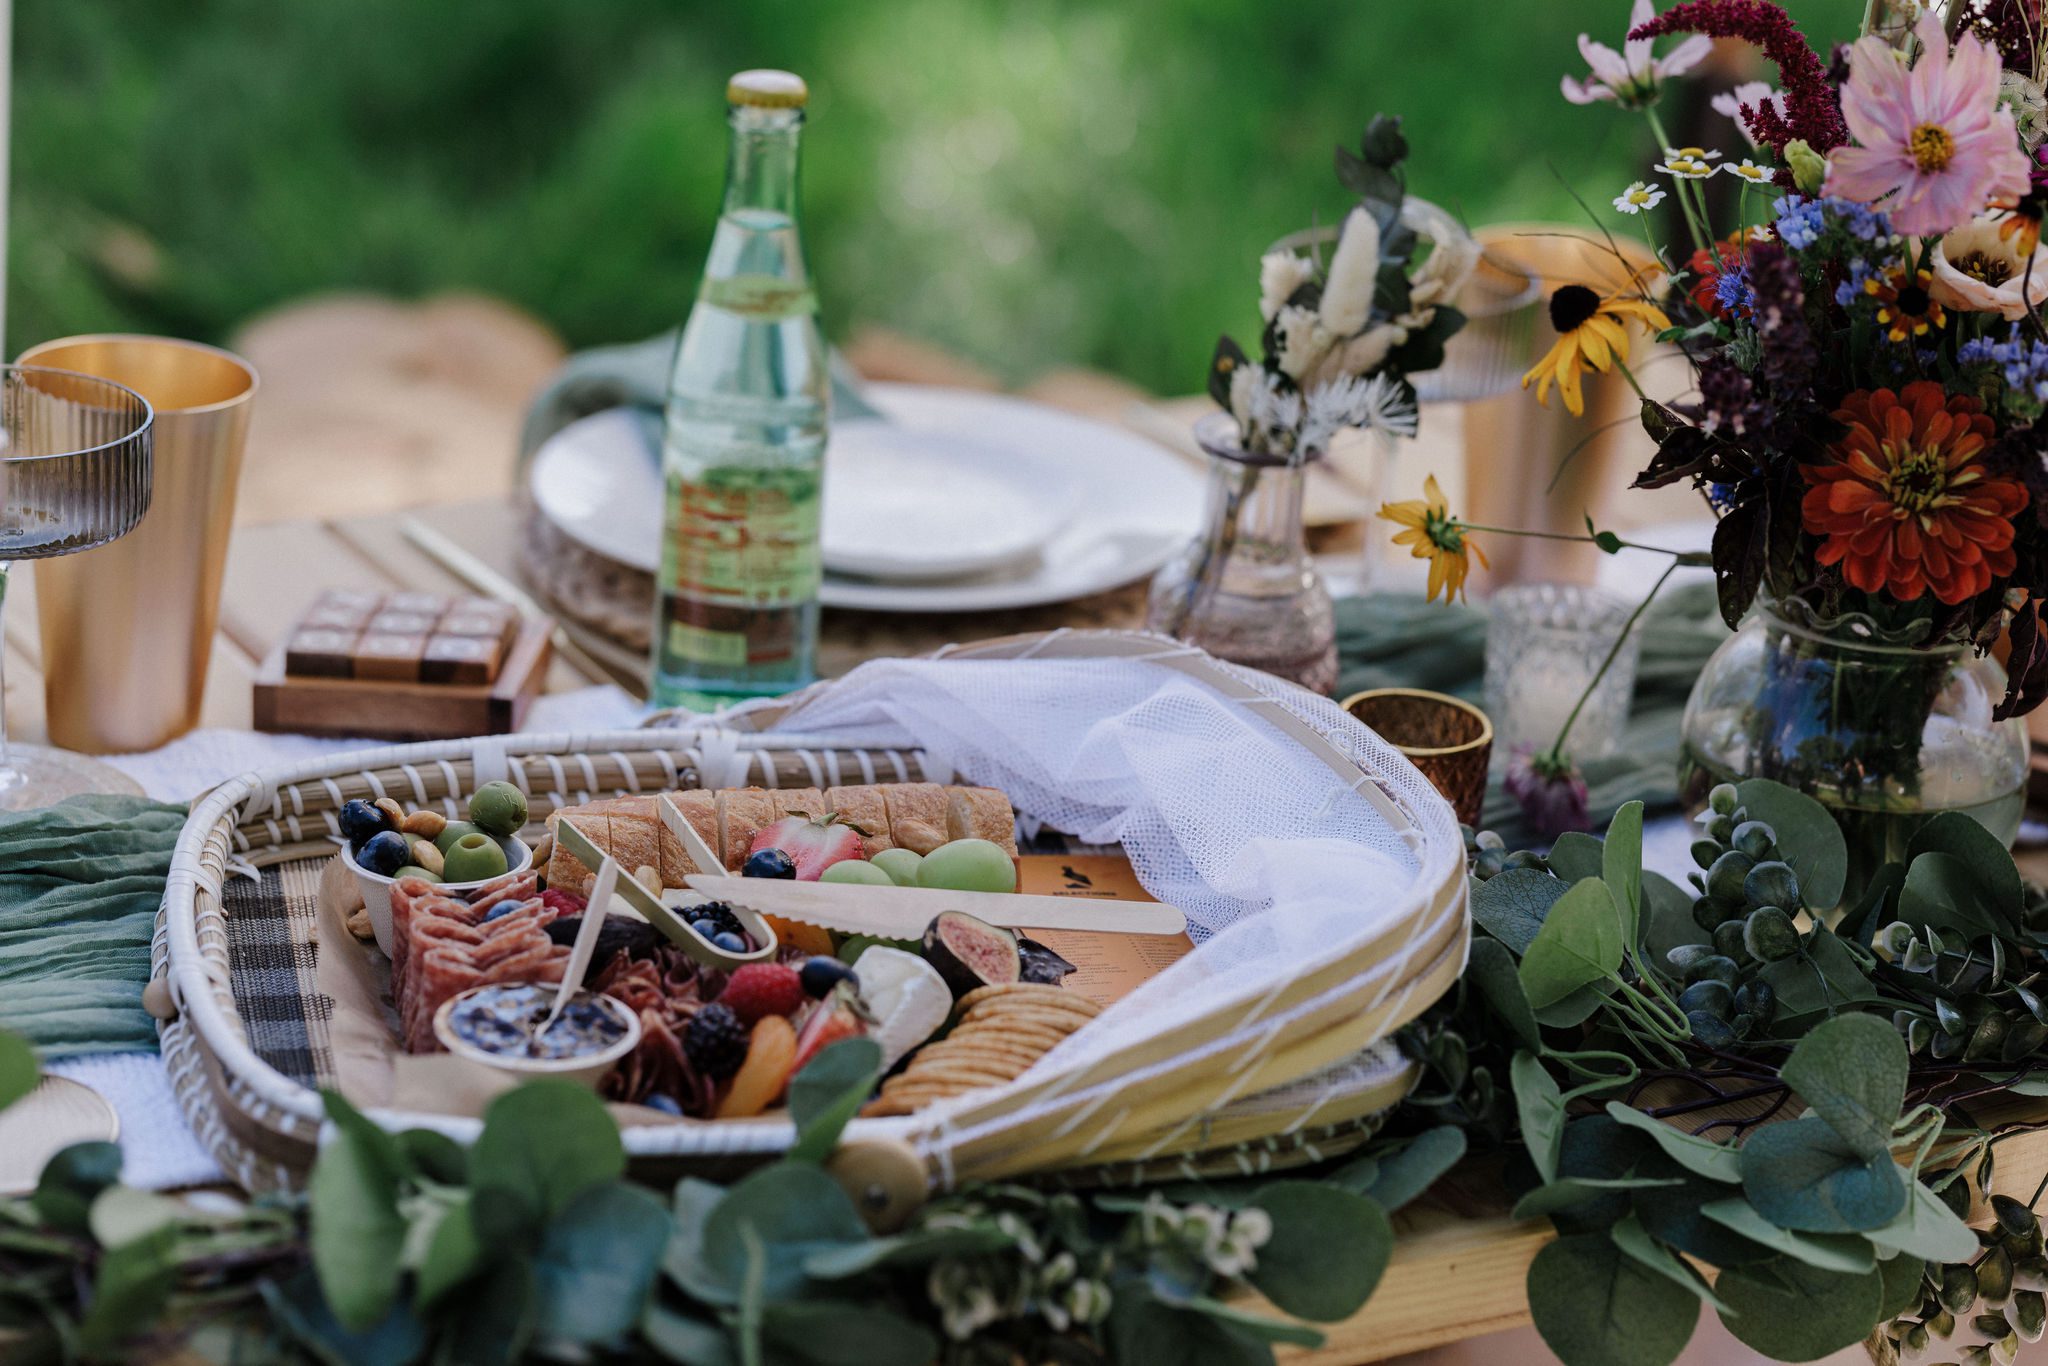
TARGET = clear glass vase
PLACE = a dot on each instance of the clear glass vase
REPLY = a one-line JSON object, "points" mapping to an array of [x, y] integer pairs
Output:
{"points": [[1245, 589], [1883, 730]]}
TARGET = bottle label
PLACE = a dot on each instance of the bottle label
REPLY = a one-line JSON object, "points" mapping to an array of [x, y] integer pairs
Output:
{"points": [[743, 562]]}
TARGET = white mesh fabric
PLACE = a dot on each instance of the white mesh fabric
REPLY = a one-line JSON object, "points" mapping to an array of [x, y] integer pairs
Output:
{"points": [[1220, 813]]}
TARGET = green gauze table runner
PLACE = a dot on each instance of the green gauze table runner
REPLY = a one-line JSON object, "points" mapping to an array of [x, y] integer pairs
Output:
{"points": [[1397, 640], [80, 883]]}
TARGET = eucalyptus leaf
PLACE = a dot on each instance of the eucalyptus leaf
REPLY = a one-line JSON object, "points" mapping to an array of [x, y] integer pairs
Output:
{"points": [[1621, 868], [1978, 850], [842, 1333], [122, 1214], [1580, 944], [1145, 1332], [828, 1092], [597, 1263], [1808, 839], [1264, 1327], [133, 1283], [1568, 1192], [1903, 1281], [356, 1232], [1667, 918], [1876, 907], [1704, 1157], [1635, 1242], [1820, 982], [1576, 856], [298, 1307], [686, 1340], [794, 1209], [1491, 968], [684, 1260], [919, 1247], [1596, 1306], [1825, 1251], [1927, 1229], [1674, 1215], [1942, 893], [1791, 1311], [1512, 906], [1402, 1176], [453, 1254], [544, 1142], [18, 1071], [1851, 1071], [436, 1156], [1328, 1250], [1802, 1176], [1540, 1107], [1573, 1010], [490, 1322], [71, 1181]]}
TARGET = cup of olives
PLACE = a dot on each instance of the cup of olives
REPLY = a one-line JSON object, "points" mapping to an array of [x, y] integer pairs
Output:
{"points": [[492, 856]]}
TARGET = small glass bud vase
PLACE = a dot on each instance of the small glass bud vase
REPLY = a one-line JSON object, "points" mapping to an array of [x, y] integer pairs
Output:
{"points": [[1245, 589]]}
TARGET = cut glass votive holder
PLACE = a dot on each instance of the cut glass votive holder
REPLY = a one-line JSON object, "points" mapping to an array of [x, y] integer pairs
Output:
{"points": [[1544, 644]]}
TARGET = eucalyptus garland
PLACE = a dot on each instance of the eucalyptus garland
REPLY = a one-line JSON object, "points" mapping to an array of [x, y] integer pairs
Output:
{"points": [[1735, 1094]]}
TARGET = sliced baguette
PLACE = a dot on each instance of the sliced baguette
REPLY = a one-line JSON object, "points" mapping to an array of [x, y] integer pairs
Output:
{"points": [[917, 815], [796, 801], [981, 813], [743, 812], [637, 833], [863, 808], [565, 871]]}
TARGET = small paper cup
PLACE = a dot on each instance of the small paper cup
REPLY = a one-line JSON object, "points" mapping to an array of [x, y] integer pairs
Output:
{"points": [[376, 888], [1446, 737], [586, 1071]]}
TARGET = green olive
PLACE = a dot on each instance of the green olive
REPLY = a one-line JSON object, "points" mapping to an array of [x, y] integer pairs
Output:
{"points": [[474, 858], [414, 870], [452, 832], [498, 808]]}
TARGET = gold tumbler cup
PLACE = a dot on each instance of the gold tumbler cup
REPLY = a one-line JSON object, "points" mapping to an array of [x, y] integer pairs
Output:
{"points": [[1449, 739], [128, 628]]}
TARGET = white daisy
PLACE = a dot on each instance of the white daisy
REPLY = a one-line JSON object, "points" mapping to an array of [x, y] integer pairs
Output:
{"points": [[1639, 198], [1687, 163], [1750, 171]]}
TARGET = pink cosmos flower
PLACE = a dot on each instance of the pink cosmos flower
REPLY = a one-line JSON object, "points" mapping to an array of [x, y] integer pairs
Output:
{"points": [[1632, 76], [1937, 146], [1754, 95]]}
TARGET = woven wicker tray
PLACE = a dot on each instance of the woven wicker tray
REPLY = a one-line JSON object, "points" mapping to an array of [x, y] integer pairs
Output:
{"points": [[1296, 1074]]}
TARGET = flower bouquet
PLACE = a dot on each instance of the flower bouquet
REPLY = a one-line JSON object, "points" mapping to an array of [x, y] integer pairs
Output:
{"points": [[1341, 339], [1862, 320]]}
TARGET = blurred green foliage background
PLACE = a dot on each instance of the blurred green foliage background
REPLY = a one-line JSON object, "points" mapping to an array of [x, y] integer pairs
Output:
{"points": [[1033, 183]]}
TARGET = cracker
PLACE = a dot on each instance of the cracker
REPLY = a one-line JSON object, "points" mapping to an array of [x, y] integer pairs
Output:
{"points": [[1038, 992]]}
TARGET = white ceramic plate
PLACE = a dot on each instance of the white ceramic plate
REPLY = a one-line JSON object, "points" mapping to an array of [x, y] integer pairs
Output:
{"points": [[1110, 506]]}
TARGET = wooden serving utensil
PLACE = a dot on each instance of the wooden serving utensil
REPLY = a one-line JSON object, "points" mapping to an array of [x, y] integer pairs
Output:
{"points": [[903, 912]]}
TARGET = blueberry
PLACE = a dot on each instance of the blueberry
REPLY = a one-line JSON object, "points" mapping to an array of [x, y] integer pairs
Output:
{"points": [[505, 907], [705, 927], [769, 863], [730, 942], [384, 853], [820, 974], [666, 1104], [360, 821]]}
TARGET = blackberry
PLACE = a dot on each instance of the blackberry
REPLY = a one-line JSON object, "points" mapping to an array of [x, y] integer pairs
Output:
{"points": [[716, 1041]]}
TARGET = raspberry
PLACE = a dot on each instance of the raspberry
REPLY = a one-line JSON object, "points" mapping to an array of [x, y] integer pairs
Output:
{"points": [[758, 990], [716, 1041]]}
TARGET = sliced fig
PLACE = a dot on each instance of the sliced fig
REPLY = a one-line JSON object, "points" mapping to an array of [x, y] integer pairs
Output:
{"points": [[1040, 964], [636, 937], [970, 953]]}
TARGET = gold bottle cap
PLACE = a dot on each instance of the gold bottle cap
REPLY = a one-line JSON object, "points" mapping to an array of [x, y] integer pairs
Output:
{"points": [[766, 88]]}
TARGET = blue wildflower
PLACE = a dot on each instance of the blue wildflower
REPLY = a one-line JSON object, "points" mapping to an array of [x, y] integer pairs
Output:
{"points": [[1801, 221], [1733, 294]]}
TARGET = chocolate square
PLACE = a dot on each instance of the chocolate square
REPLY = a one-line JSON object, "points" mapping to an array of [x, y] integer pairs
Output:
{"points": [[392, 622], [318, 652], [391, 657], [418, 604], [460, 659], [465, 620], [361, 601], [328, 617]]}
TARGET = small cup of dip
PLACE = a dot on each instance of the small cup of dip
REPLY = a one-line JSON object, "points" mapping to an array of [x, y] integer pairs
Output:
{"points": [[498, 1025]]}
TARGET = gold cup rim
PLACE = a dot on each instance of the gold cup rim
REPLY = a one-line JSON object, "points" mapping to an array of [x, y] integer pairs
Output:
{"points": [[1484, 738], [244, 395]]}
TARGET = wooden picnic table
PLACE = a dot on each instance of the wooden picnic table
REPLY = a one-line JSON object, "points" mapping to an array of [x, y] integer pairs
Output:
{"points": [[1459, 1265]]}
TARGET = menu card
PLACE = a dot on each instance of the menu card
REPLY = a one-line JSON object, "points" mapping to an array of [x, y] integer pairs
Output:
{"points": [[1108, 966]]}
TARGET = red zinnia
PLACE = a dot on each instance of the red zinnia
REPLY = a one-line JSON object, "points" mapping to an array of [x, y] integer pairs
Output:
{"points": [[1906, 506], [1709, 264]]}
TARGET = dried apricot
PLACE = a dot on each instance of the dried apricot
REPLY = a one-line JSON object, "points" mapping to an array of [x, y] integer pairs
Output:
{"points": [[801, 935], [771, 1048]]}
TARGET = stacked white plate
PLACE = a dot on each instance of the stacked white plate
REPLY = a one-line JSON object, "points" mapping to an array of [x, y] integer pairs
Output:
{"points": [[951, 501]]}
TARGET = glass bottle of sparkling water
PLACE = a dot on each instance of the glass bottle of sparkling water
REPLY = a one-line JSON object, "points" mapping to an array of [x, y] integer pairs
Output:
{"points": [[743, 448]]}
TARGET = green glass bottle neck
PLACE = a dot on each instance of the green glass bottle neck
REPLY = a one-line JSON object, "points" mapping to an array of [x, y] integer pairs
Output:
{"points": [[761, 168]]}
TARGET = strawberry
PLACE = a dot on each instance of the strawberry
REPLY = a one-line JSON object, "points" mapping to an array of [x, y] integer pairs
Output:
{"points": [[838, 1016], [758, 990], [812, 845]]}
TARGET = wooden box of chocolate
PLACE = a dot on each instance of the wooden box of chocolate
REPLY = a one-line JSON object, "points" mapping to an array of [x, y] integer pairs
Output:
{"points": [[403, 666]]}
